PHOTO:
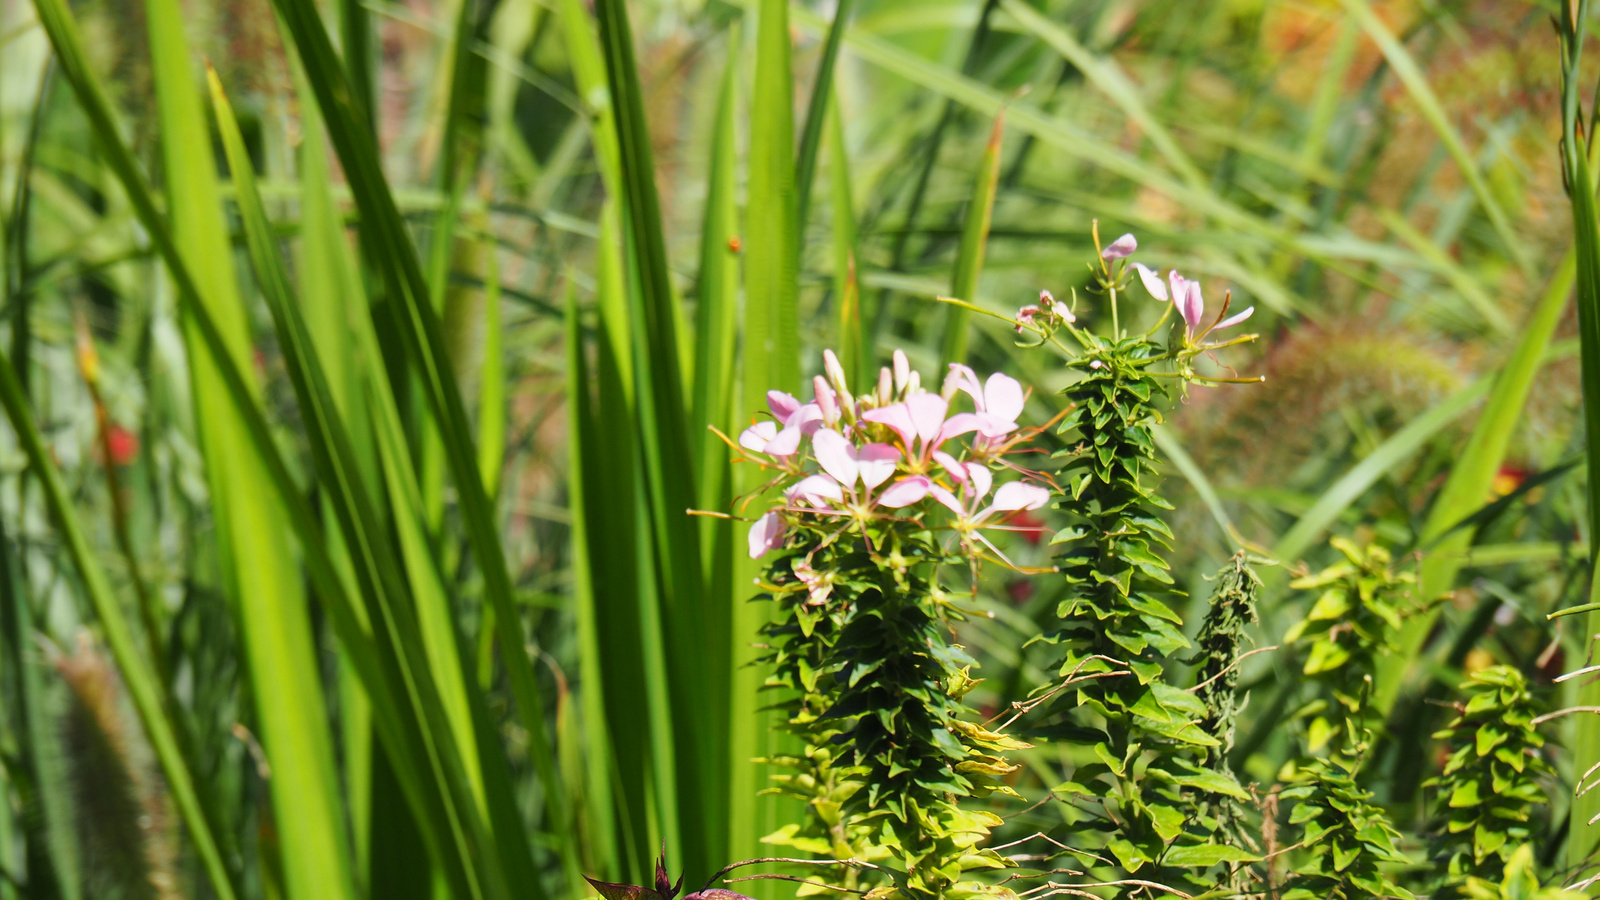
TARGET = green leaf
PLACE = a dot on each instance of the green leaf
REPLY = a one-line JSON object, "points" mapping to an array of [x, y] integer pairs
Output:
{"points": [[1206, 855]]}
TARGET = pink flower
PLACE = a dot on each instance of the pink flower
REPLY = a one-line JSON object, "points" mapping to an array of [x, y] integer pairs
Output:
{"points": [[766, 534], [975, 481], [1025, 316], [819, 585], [1190, 302], [1119, 248], [999, 400], [920, 423], [844, 466]]}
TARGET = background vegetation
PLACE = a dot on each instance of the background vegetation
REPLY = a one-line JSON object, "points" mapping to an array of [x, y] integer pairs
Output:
{"points": [[353, 423]]}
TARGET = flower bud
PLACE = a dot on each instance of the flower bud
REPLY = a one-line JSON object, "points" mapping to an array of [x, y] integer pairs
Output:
{"points": [[885, 387], [826, 401], [830, 364], [902, 371], [914, 383]]}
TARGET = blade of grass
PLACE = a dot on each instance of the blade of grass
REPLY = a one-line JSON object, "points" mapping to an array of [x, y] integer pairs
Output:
{"points": [[394, 254], [769, 359], [974, 240], [1383, 459], [1105, 75], [376, 663], [1472, 477], [370, 554], [254, 544], [698, 682], [854, 355], [492, 379], [816, 112]]}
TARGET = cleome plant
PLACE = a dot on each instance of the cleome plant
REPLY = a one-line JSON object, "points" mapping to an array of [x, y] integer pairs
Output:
{"points": [[878, 495], [1493, 780]]}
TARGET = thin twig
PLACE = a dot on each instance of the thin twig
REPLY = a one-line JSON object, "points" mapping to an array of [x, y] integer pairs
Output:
{"points": [[1231, 666]]}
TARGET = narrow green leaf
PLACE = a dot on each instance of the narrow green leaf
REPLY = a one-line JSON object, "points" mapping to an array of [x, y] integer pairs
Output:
{"points": [[974, 240], [1472, 476], [816, 109], [370, 557], [254, 545], [1383, 459], [392, 251], [855, 354]]}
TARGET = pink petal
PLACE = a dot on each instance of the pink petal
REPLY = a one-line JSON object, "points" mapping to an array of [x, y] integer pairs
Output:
{"points": [[927, 411], [876, 463], [980, 479], [1235, 319], [1119, 248], [827, 401], [1002, 397], [1015, 495], [815, 489], [807, 418], [898, 417], [1152, 281], [782, 405], [1180, 286], [991, 425], [1193, 306], [757, 436], [836, 455], [962, 378], [959, 424], [947, 498], [785, 443], [905, 492], [956, 469], [766, 534]]}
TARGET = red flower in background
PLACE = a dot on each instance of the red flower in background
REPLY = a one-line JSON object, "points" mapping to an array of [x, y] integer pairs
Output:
{"points": [[124, 445], [1029, 527]]}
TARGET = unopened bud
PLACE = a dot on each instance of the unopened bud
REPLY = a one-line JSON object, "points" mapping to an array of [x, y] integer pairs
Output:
{"points": [[902, 371], [914, 383], [826, 401], [830, 364], [885, 386]]}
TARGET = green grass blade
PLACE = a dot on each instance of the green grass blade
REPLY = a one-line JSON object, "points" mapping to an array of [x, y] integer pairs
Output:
{"points": [[1472, 477], [1416, 83], [253, 529], [492, 379], [855, 354], [349, 621], [1383, 459], [690, 617], [974, 240], [391, 248], [816, 116], [1579, 169], [1191, 471], [374, 568], [136, 674], [609, 842]]}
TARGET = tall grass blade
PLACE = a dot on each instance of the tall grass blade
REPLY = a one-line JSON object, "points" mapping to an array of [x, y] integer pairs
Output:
{"points": [[254, 544], [974, 240], [699, 685], [769, 359], [856, 353], [391, 249], [1471, 478], [370, 554], [1399, 447], [816, 117]]}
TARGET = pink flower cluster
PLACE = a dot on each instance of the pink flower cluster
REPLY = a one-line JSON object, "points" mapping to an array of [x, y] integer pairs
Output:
{"points": [[883, 454]]}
